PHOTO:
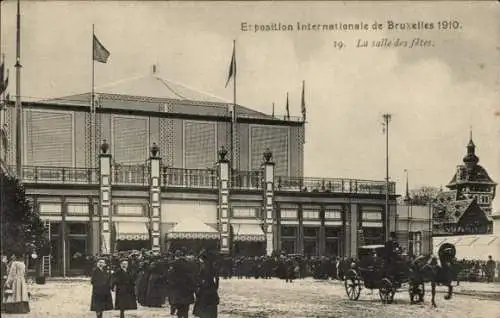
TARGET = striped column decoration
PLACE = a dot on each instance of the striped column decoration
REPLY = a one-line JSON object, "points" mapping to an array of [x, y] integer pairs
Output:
{"points": [[270, 222], [154, 197], [223, 207], [105, 198]]}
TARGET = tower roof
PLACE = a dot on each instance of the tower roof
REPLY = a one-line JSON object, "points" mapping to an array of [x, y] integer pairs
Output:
{"points": [[471, 171], [470, 158]]}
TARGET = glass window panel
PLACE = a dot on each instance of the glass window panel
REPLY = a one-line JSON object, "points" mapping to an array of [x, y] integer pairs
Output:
{"points": [[333, 214], [288, 230], [77, 228], [311, 231], [288, 214], [310, 214], [332, 232]]}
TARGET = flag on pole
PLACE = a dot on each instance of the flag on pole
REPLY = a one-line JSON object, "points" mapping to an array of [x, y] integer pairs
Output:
{"points": [[232, 66], [287, 108], [101, 54], [303, 102]]}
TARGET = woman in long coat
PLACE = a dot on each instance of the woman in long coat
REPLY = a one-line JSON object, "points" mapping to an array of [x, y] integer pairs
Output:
{"points": [[207, 297], [101, 289], [155, 295], [183, 285], [17, 300], [124, 285]]}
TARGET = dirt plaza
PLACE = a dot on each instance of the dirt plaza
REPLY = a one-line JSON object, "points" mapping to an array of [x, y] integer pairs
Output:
{"points": [[276, 298]]}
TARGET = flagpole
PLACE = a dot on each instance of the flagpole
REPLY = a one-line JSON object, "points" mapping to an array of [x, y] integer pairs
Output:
{"points": [[235, 118], [93, 66], [92, 108], [19, 125]]}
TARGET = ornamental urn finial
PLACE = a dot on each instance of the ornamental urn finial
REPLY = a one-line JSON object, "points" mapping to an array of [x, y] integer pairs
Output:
{"points": [[104, 147], [222, 153], [268, 155], [154, 150]]}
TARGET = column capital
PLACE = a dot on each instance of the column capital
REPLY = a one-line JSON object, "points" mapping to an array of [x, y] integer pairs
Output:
{"points": [[268, 157], [222, 155], [155, 152], [104, 149]]}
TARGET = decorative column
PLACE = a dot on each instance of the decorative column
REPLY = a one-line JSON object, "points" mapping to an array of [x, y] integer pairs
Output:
{"points": [[105, 198], [300, 231], [154, 197], [223, 206], [64, 236], [322, 232], [353, 230], [270, 220]]}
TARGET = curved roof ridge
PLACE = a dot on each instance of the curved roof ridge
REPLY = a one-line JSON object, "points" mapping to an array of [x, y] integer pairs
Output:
{"points": [[121, 81], [165, 83], [167, 80]]}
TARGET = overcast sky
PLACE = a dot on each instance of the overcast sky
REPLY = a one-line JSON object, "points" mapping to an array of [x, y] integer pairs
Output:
{"points": [[435, 94]]}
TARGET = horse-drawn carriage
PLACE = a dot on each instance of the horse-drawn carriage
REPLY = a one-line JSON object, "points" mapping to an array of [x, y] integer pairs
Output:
{"points": [[375, 270]]}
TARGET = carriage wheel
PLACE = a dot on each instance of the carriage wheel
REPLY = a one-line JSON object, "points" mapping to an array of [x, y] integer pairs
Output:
{"points": [[386, 291], [417, 292], [352, 285]]}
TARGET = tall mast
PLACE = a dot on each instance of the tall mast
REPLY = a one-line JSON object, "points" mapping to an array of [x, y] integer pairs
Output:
{"points": [[19, 111]]}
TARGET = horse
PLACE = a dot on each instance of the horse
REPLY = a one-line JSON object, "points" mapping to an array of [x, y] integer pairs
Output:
{"points": [[427, 268]]}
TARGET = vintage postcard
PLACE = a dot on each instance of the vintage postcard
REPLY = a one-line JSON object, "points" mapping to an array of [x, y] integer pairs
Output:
{"points": [[250, 159]]}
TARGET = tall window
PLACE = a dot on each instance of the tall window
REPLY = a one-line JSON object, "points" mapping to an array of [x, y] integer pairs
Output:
{"points": [[416, 243], [199, 145], [274, 138], [130, 135], [49, 138]]}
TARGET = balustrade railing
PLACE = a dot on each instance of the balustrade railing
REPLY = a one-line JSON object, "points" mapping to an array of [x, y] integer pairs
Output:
{"points": [[130, 174], [247, 179], [200, 178], [189, 178], [283, 183], [64, 175]]}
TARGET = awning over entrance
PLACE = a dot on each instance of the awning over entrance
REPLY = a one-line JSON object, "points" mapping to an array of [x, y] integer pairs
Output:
{"points": [[132, 231], [191, 229], [471, 247], [248, 232]]}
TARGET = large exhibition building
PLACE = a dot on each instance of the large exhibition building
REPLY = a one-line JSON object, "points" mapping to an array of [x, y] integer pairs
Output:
{"points": [[150, 166]]}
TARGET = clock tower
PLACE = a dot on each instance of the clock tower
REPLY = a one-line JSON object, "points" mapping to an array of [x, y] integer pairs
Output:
{"points": [[471, 181]]}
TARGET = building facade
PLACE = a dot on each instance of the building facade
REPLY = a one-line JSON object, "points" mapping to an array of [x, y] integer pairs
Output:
{"points": [[414, 227], [141, 171], [466, 208]]}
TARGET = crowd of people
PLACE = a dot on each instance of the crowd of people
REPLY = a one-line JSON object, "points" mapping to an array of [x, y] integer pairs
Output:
{"points": [[184, 278], [479, 270]]}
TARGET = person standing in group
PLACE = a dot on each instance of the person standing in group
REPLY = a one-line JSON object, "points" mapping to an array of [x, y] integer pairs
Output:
{"points": [[207, 297], [4, 272], [16, 289], [182, 284], [490, 269], [101, 289], [124, 286]]}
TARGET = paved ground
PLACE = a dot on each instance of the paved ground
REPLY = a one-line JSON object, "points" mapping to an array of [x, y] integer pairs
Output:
{"points": [[275, 298]]}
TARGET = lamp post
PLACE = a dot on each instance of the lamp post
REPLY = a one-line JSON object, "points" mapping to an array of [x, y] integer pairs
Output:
{"points": [[387, 118]]}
